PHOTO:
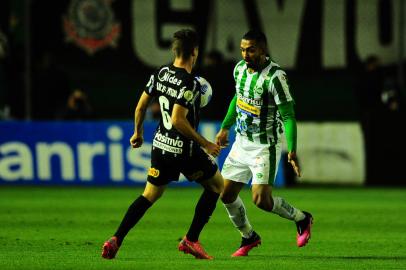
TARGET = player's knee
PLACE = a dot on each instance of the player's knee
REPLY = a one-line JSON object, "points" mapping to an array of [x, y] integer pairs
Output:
{"points": [[215, 184], [152, 197], [216, 189], [228, 197]]}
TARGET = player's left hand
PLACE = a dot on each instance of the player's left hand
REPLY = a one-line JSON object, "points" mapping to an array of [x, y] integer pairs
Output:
{"points": [[292, 159], [136, 140], [212, 149], [222, 138]]}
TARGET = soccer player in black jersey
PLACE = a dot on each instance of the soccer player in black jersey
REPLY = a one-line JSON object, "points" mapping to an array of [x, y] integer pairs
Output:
{"points": [[177, 146]]}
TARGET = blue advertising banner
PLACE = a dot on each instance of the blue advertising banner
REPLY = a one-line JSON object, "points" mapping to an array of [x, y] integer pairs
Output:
{"points": [[81, 153]]}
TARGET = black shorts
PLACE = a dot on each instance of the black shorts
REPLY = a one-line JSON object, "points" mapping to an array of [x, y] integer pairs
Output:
{"points": [[166, 168]]}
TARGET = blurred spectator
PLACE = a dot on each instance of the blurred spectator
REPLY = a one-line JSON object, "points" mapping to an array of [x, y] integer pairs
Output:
{"points": [[378, 98], [392, 146], [50, 87], [3, 46], [368, 93], [369, 86], [11, 17], [77, 107], [390, 95], [219, 73], [3, 65]]}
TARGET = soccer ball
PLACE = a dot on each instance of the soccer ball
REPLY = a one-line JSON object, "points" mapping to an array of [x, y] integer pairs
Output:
{"points": [[205, 91]]}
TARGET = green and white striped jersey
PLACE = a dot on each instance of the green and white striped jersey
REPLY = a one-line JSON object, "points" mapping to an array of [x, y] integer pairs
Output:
{"points": [[258, 95]]}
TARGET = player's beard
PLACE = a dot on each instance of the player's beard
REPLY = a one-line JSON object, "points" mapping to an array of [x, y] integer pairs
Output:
{"points": [[253, 64]]}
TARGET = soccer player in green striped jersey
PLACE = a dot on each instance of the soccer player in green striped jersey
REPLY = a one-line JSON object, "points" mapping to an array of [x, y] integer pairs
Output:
{"points": [[261, 109]]}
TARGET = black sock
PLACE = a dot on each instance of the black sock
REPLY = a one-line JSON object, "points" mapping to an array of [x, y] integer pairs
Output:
{"points": [[134, 213], [204, 208]]}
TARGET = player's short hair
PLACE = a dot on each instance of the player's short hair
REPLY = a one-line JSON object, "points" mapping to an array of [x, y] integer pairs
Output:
{"points": [[184, 42], [258, 36]]}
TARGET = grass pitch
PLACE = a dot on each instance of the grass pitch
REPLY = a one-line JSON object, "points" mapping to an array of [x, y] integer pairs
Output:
{"points": [[64, 228]]}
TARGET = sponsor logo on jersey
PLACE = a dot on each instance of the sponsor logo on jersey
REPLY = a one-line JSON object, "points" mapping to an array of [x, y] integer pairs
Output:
{"points": [[251, 101], [168, 90], [168, 144], [160, 87], [91, 25], [247, 108], [166, 75], [153, 172], [243, 127], [171, 92]]}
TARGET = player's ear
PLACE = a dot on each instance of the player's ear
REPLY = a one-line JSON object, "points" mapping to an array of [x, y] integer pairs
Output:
{"points": [[263, 49], [195, 52]]}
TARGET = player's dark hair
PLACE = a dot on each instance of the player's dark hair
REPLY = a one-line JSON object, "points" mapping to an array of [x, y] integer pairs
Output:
{"points": [[256, 35], [184, 42]]}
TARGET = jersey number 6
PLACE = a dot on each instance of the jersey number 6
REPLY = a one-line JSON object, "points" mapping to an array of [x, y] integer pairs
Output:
{"points": [[166, 118]]}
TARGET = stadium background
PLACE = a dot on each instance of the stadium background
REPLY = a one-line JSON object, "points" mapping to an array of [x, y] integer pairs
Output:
{"points": [[108, 49], [64, 185]]}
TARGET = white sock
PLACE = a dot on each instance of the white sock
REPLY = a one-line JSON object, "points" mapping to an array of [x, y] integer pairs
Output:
{"points": [[237, 213], [285, 210]]}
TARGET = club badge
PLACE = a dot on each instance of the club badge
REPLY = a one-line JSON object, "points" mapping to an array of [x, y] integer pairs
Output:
{"points": [[188, 95], [90, 25]]}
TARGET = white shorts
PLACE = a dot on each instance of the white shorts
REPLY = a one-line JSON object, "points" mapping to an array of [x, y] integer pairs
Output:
{"points": [[248, 160]]}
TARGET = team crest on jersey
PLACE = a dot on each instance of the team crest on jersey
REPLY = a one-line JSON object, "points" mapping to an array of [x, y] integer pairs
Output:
{"points": [[153, 172], [188, 95], [258, 90], [90, 25]]}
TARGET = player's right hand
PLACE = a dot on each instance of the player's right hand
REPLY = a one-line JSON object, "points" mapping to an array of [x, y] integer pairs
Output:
{"points": [[293, 160], [136, 140], [222, 138], [212, 149]]}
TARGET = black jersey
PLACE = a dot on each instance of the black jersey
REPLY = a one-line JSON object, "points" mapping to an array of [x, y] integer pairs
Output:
{"points": [[171, 85]]}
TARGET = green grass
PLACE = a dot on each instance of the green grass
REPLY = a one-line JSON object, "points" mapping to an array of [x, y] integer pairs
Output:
{"points": [[64, 228]]}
